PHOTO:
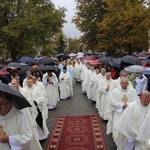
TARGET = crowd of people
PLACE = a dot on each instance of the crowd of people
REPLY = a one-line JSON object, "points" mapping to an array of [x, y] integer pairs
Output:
{"points": [[123, 103]]}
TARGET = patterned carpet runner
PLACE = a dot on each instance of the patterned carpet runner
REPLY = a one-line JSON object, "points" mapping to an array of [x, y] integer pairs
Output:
{"points": [[77, 133]]}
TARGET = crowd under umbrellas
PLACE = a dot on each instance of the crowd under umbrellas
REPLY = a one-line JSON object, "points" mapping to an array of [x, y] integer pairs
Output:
{"points": [[54, 66]]}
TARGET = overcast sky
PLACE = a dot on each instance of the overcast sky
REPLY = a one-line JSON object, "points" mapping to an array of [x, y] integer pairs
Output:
{"points": [[69, 28]]}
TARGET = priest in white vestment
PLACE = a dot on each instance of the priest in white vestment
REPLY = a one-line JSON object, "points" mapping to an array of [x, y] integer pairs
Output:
{"points": [[27, 112], [123, 73], [89, 86], [35, 94], [85, 78], [77, 71], [144, 131], [28, 74], [51, 84], [94, 84], [65, 84], [119, 99], [105, 86], [15, 132], [141, 82], [130, 123], [43, 90]]}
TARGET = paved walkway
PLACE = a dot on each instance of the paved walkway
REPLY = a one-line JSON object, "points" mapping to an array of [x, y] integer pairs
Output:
{"points": [[77, 105]]}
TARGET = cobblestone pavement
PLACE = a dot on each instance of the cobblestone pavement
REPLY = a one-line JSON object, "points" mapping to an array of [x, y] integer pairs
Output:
{"points": [[77, 105]]}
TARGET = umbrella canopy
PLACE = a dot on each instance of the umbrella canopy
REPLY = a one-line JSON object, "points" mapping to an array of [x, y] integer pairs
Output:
{"points": [[146, 71], [46, 61], [14, 65], [134, 69], [27, 59], [24, 69], [79, 56], [80, 53], [131, 60], [72, 54], [3, 72], [105, 59], [62, 56], [19, 100], [47, 68]]}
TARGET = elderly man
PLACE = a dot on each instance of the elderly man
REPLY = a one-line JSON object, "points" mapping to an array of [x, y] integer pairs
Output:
{"points": [[51, 84], [15, 131], [105, 86], [123, 73], [65, 84], [130, 123], [36, 97], [119, 99]]}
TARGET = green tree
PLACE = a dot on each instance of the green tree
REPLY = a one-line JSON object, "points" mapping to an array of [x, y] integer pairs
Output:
{"points": [[60, 44], [124, 26], [26, 24], [89, 12]]}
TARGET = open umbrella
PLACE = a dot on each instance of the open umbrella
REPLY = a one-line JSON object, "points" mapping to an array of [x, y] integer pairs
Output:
{"points": [[72, 54], [146, 71], [24, 69], [19, 100], [131, 60], [134, 69], [46, 61], [62, 56], [47, 68], [105, 59], [14, 65], [3, 72], [27, 59]]}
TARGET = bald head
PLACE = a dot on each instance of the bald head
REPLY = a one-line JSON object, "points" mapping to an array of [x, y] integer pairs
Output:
{"points": [[145, 98]]}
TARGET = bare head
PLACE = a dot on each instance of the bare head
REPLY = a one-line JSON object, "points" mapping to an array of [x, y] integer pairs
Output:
{"points": [[124, 82], [108, 75], [6, 104], [15, 83], [145, 98]]}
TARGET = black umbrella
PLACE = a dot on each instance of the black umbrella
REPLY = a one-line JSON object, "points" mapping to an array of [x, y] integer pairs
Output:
{"points": [[131, 60], [105, 59], [14, 65], [47, 68], [62, 56], [27, 59], [24, 69], [46, 61], [19, 100]]}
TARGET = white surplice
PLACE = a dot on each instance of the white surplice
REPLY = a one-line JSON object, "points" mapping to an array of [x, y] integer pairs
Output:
{"points": [[129, 124], [65, 86], [43, 90], [35, 94], [115, 106], [144, 131], [17, 128], [52, 90], [102, 97]]}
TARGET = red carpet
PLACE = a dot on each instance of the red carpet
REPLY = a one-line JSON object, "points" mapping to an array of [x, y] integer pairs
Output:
{"points": [[77, 133]]}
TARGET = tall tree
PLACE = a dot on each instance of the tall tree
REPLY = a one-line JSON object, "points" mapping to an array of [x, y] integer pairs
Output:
{"points": [[124, 26], [89, 12], [26, 24]]}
